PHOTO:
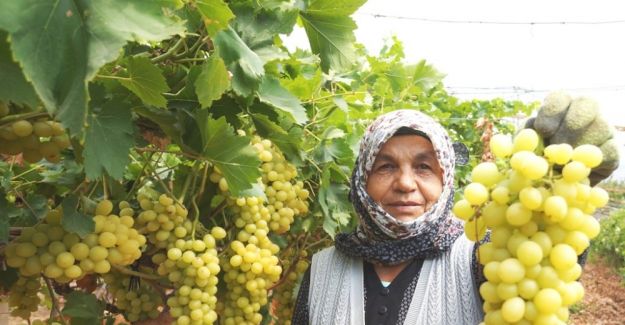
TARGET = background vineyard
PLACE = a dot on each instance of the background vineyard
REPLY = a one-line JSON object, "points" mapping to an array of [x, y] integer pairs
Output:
{"points": [[170, 96]]}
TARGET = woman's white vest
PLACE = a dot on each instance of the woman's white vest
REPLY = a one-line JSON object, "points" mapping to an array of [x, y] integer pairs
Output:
{"points": [[445, 292]]}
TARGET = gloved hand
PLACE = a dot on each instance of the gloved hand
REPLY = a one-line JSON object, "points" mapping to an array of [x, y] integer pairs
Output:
{"points": [[562, 119]]}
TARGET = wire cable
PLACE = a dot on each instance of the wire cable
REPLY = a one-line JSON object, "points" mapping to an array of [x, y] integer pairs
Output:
{"points": [[487, 22]]}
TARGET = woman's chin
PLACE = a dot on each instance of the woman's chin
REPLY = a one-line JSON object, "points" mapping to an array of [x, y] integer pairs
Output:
{"points": [[406, 217]]}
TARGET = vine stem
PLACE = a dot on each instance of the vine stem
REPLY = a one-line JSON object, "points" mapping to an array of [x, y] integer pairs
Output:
{"points": [[128, 271], [24, 116], [182, 153], [138, 180], [105, 187], [55, 304], [170, 52], [187, 181]]}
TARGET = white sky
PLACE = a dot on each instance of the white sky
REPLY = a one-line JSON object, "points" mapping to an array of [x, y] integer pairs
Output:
{"points": [[583, 59]]}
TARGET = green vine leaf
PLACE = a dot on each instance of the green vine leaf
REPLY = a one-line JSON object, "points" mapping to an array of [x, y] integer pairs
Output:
{"points": [[83, 308], [246, 67], [212, 82], [216, 14], [13, 85], [272, 93], [73, 220], [426, 76], [108, 138], [4, 219], [146, 81], [62, 44], [330, 31], [231, 153]]}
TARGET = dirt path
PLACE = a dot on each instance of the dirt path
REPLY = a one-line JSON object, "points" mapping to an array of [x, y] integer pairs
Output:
{"points": [[604, 301]]}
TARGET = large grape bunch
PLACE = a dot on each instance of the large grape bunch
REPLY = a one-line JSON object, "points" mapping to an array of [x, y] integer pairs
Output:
{"points": [[48, 249], [539, 209], [34, 139], [251, 264]]}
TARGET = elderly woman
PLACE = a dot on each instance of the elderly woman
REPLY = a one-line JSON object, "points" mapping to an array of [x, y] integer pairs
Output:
{"points": [[408, 261]]}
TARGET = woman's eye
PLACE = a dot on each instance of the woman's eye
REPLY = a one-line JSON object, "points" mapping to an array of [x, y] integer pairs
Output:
{"points": [[424, 166], [385, 167]]}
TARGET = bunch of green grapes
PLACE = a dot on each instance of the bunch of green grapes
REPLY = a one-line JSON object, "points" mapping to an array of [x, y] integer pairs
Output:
{"points": [[137, 301], [162, 219], [35, 140], [116, 234], [283, 297], [23, 298], [63, 256], [539, 210], [47, 248], [285, 197], [192, 266], [251, 265]]}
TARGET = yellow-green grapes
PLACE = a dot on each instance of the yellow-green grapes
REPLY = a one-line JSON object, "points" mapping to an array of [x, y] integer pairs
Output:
{"points": [[539, 208], [63, 256], [251, 263], [192, 266], [34, 139], [283, 296], [163, 220], [23, 298], [137, 299], [116, 235]]}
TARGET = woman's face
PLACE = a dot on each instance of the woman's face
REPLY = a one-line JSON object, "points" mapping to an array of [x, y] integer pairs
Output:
{"points": [[406, 179]]}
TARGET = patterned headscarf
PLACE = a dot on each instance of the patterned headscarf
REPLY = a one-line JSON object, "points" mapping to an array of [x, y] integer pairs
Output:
{"points": [[380, 238]]}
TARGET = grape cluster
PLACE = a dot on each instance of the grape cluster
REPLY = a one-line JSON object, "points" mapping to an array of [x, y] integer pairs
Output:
{"points": [[251, 266], [138, 300], [163, 220], [23, 298], [116, 238], [192, 266], [63, 256], [283, 297], [538, 208], [35, 140]]}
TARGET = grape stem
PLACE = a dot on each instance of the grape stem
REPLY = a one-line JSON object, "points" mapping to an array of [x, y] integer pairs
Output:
{"points": [[170, 52], [138, 180], [55, 305], [24, 116], [128, 271]]}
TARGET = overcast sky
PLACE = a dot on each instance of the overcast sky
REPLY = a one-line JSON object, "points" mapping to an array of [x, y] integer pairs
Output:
{"points": [[506, 55]]}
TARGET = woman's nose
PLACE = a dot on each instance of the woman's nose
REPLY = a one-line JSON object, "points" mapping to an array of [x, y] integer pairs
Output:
{"points": [[407, 181]]}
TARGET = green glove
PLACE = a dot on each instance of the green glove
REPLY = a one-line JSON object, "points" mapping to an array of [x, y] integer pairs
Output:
{"points": [[562, 119]]}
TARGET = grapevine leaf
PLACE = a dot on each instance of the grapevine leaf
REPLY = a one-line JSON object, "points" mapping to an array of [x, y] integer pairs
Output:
{"points": [[83, 308], [246, 67], [336, 7], [37, 206], [426, 76], [272, 93], [6, 174], [216, 14], [146, 81], [333, 149], [232, 154], [212, 82], [259, 26], [13, 85], [62, 44], [166, 120], [330, 31], [73, 220], [108, 138]]}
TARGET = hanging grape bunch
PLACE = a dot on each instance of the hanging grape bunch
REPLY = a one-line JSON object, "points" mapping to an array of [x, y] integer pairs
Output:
{"points": [[251, 265], [35, 138], [539, 209]]}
